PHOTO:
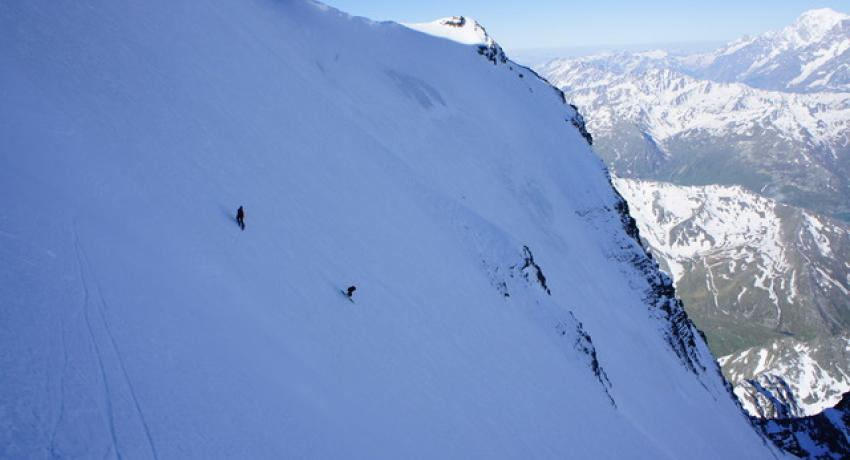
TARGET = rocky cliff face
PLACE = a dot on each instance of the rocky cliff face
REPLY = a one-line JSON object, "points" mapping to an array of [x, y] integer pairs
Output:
{"points": [[823, 436]]}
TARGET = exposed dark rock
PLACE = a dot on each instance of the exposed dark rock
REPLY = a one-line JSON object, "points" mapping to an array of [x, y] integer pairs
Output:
{"points": [[493, 53], [771, 397], [454, 21], [497, 279], [584, 345], [660, 296], [529, 266], [822, 436], [578, 121]]}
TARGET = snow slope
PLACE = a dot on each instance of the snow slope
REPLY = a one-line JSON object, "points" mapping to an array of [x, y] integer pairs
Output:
{"points": [[138, 321]]}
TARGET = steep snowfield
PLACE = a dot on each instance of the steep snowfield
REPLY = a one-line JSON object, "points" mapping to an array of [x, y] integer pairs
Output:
{"points": [[138, 321]]}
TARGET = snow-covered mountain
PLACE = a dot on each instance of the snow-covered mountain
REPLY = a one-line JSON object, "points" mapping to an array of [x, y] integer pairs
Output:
{"points": [[466, 31], [753, 272], [504, 306], [670, 104], [657, 123], [456, 28], [790, 378], [715, 239], [812, 54]]}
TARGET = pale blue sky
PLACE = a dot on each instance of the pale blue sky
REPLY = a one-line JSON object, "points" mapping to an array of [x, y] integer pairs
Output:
{"points": [[549, 23]]}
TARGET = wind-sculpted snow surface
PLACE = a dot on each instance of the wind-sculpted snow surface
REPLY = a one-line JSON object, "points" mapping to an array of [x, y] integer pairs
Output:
{"points": [[502, 309]]}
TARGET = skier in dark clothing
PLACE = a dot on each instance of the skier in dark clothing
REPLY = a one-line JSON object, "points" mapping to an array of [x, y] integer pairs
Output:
{"points": [[350, 291], [240, 217]]}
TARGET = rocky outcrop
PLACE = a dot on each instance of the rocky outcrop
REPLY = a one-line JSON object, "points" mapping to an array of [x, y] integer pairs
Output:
{"points": [[822, 436]]}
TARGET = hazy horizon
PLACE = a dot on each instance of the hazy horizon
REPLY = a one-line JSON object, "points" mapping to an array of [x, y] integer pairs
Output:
{"points": [[546, 24], [535, 56]]}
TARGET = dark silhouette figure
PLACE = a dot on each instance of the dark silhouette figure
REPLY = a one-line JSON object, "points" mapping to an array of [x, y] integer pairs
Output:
{"points": [[350, 291], [240, 217]]}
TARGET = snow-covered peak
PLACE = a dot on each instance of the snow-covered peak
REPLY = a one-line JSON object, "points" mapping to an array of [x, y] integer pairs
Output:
{"points": [[811, 28], [822, 15], [813, 25], [461, 29], [808, 55], [466, 31]]}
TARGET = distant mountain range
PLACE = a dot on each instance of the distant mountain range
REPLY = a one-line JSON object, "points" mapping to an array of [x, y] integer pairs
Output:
{"points": [[812, 54], [790, 378], [736, 165], [657, 123], [739, 257], [822, 436], [769, 282]]}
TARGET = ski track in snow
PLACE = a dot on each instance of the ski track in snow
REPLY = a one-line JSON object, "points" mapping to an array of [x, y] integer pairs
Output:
{"points": [[55, 430], [107, 394], [85, 266]]}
